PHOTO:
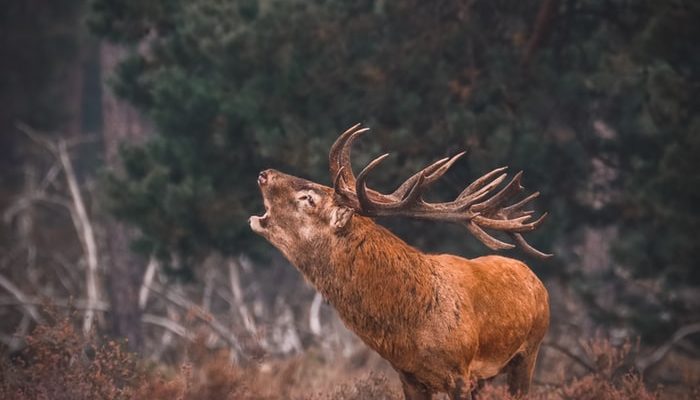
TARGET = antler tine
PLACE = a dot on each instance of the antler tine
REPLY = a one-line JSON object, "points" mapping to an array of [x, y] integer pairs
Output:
{"points": [[442, 169], [345, 154], [528, 248], [341, 187], [430, 174], [515, 208], [337, 147], [382, 207], [339, 155], [337, 180], [536, 223], [361, 185], [485, 238], [511, 219], [510, 225], [405, 187], [427, 177], [464, 202], [409, 192], [477, 184], [512, 188]]}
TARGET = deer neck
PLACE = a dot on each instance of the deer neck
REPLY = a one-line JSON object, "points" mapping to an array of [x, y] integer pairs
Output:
{"points": [[378, 283]]}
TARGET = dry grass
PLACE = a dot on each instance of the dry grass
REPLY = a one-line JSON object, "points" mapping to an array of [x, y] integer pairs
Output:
{"points": [[59, 363]]}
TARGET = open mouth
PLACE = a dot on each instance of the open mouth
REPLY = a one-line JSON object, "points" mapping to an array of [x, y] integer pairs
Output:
{"points": [[259, 222], [263, 218]]}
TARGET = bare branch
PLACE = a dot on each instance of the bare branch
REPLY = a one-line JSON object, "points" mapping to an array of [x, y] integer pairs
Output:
{"points": [[151, 270], [315, 314], [571, 355], [88, 235], [50, 177], [658, 354], [167, 336], [210, 277], [80, 304], [197, 311], [43, 138], [168, 324], [22, 298], [36, 137], [235, 281], [78, 212]]}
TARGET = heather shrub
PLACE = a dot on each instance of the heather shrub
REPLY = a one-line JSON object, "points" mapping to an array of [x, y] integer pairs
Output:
{"points": [[373, 387], [60, 363], [609, 376], [210, 378]]}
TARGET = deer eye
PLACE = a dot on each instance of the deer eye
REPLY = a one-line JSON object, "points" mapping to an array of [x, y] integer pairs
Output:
{"points": [[307, 198]]}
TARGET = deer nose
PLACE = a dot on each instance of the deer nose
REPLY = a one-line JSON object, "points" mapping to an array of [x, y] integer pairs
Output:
{"points": [[263, 177]]}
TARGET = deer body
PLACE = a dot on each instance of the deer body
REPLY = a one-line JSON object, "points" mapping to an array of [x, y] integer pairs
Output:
{"points": [[442, 321], [440, 318]]}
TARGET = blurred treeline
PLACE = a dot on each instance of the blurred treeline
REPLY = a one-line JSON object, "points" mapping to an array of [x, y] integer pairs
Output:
{"points": [[596, 100], [168, 109]]}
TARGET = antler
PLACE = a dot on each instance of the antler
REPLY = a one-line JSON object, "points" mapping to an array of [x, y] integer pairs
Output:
{"points": [[476, 207]]}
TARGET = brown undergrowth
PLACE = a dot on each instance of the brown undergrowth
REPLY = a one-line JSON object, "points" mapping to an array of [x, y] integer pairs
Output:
{"points": [[59, 363]]}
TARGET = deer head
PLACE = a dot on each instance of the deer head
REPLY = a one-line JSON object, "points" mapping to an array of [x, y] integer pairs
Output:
{"points": [[299, 212]]}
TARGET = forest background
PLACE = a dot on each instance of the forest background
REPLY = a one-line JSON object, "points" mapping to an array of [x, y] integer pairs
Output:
{"points": [[131, 134]]}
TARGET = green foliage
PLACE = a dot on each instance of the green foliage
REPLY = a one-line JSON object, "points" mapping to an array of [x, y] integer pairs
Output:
{"points": [[237, 86]]}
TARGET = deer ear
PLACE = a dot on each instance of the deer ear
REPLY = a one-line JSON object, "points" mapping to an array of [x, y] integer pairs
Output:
{"points": [[340, 216]]}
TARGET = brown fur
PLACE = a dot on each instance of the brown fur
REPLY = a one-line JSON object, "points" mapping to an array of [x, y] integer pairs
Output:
{"points": [[442, 321]]}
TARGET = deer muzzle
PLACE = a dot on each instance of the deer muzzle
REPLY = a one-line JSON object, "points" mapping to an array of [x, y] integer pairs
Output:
{"points": [[259, 223]]}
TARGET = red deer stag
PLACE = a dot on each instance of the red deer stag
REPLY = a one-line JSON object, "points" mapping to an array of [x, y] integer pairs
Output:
{"points": [[444, 323]]}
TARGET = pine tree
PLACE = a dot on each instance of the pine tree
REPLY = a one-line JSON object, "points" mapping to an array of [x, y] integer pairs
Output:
{"points": [[588, 97]]}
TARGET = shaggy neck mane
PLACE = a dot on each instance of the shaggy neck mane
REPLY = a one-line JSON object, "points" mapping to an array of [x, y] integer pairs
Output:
{"points": [[376, 281]]}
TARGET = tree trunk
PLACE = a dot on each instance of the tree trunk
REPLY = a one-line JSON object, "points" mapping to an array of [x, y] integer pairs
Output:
{"points": [[121, 123]]}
